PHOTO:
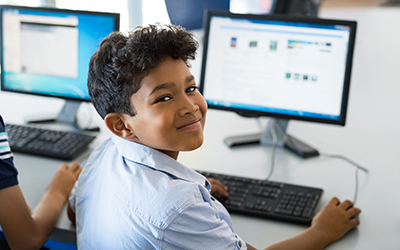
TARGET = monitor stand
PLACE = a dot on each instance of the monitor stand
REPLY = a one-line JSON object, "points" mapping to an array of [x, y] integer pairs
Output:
{"points": [[267, 138], [67, 115]]}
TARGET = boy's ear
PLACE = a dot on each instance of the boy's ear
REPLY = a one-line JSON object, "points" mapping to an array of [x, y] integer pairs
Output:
{"points": [[115, 122]]}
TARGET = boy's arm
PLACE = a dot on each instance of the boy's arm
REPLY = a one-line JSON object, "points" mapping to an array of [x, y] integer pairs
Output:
{"points": [[329, 225], [24, 230]]}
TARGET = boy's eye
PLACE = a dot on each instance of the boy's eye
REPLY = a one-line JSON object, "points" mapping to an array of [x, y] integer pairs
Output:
{"points": [[191, 89], [163, 99]]}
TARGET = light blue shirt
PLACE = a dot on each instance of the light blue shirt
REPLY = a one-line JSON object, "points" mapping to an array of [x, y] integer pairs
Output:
{"points": [[130, 196]]}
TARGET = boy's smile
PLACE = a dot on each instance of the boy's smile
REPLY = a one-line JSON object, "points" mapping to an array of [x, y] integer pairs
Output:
{"points": [[170, 111]]}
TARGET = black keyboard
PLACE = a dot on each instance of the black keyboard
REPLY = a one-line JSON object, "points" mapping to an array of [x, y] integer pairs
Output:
{"points": [[268, 199], [45, 142]]}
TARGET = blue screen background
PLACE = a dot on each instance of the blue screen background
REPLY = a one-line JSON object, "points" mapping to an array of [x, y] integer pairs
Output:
{"points": [[91, 31]]}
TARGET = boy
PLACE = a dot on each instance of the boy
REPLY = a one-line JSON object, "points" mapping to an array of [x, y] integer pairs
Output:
{"points": [[22, 229], [133, 194]]}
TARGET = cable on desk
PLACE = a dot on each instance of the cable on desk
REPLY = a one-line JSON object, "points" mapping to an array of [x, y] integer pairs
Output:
{"points": [[346, 159], [274, 145], [273, 152], [356, 189], [358, 166]]}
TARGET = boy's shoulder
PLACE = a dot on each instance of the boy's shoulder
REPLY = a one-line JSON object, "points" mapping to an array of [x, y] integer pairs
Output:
{"points": [[161, 198], [149, 185]]}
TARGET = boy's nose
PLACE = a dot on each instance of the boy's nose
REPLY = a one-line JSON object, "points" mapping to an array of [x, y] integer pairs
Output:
{"points": [[189, 107]]}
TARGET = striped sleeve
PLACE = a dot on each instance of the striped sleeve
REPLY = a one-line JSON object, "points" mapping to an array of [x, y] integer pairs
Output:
{"points": [[8, 172], [5, 151]]}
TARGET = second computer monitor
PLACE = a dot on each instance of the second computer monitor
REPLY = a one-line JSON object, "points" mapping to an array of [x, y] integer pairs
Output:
{"points": [[279, 66]]}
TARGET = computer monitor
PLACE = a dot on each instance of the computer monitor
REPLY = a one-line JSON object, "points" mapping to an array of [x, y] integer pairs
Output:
{"points": [[46, 52], [284, 67]]}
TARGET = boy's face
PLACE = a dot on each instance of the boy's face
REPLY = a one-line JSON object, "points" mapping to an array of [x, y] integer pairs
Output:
{"points": [[170, 111]]}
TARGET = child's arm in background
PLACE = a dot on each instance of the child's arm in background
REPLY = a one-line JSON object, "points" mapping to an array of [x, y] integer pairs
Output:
{"points": [[24, 230]]}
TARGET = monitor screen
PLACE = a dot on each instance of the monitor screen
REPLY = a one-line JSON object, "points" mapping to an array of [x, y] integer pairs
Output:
{"points": [[46, 51], [279, 66]]}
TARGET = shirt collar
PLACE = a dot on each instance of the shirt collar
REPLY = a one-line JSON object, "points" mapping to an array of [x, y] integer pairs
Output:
{"points": [[155, 159]]}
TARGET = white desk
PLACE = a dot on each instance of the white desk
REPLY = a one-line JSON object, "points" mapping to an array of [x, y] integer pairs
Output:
{"points": [[371, 137]]}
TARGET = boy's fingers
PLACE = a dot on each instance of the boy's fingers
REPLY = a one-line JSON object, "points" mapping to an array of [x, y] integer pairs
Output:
{"points": [[222, 191], [218, 187], [217, 182], [346, 204], [78, 172], [334, 202], [64, 166], [354, 223], [75, 166], [353, 211]]}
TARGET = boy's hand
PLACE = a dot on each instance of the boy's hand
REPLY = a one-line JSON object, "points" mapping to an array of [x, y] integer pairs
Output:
{"points": [[64, 179], [335, 219], [218, 187]]}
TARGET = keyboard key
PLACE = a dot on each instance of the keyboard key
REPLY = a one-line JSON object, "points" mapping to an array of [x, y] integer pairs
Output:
{"points": [[249, 205], [283, 211], [307, 212], [297, 213], [258, 206], [267, 209], [234, 203], [311, 203]]}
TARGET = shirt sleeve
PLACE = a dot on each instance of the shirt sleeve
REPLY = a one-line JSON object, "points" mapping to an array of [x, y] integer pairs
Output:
{"points": [[8, 172], [198, 227]]}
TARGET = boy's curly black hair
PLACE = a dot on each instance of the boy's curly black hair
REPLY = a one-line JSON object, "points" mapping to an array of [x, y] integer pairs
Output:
{"points": [[122, 61]]}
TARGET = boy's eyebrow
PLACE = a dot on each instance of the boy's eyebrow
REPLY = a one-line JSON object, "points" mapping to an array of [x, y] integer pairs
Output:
{"points": [[189, 78], [169, 85], [166, 85]]}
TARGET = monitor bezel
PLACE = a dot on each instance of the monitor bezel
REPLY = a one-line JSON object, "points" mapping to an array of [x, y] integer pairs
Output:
{"points": [[253, 113], [116, 17]]}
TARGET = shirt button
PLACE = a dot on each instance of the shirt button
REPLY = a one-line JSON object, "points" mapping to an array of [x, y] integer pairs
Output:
{"points": [[212, 198], [240, 244]]}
